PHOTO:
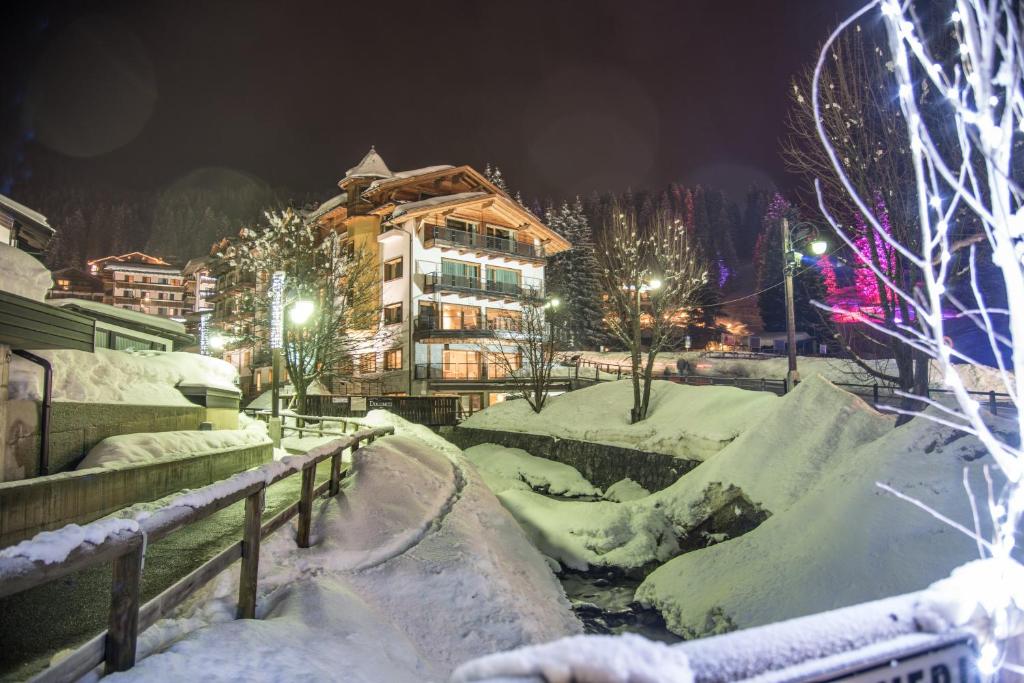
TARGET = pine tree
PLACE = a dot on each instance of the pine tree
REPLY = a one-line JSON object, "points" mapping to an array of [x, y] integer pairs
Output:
{"points": [[493, 174], [574, 277]]}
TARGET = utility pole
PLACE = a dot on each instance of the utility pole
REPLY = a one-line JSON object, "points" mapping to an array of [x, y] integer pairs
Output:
{"points": [[788, 267]]}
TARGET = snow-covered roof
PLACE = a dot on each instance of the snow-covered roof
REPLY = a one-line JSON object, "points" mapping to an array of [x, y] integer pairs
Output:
{"points": [[25, 213], [124, 314], [372, 166], [443, 200], [329, 205], [404, 175]]}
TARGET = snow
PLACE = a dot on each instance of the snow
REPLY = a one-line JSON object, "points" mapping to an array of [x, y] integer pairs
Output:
{"points": [[23, 274], [625, 490], [139, 449], [839, 370], [399, 175], [456, 198], [500, 465], [585, 659], [685, 421], [420, 433], [106, 376], [50, 547], [414, 570], [967, 599], [125, 314]]}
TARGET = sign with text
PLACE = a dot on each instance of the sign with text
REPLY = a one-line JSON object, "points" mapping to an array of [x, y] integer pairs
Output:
{"points": [[944, 662], [358, 404], [378, 403]]}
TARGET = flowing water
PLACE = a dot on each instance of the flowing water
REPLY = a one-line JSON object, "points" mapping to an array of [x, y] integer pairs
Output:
{"points": [[603, 601]]}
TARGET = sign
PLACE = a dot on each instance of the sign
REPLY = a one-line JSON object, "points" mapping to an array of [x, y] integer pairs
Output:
{"points": [[358, 404], [277, 309], [951, 661], [339, 399], [378, 403]]}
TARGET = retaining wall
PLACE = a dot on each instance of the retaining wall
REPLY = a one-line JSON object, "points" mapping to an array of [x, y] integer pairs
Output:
{"points": [[77, 427], [601, 464], [43, 503]]}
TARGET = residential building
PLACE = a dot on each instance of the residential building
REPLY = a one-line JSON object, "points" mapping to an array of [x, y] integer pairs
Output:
{"points": [[458, 259], [75, 283], [23, 228], [229, 318], [143, 283]]}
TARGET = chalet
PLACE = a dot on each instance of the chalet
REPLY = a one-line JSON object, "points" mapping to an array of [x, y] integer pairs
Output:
{"points": [[142, 283]]}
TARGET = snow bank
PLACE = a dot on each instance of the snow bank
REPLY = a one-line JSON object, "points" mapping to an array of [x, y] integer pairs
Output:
{"points": [[416, 569], [23, 274], [140, 449], [502, 464], [834, 538], [139, 377], [690, 422], [422, 434], [585, 659], [625, 490]]}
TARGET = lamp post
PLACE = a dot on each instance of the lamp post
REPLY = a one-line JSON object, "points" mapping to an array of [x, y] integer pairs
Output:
{"points": [[806, 233], [301, 310]]}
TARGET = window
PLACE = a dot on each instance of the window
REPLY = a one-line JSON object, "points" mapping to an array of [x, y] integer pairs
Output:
{"points": [[393, 359], [460, 364], [460, 274], [63, 284], [393, 269], [459, 317], [393, 314], [456, 224], [500, 364], [502, 319], [503, 280], [368, 363]]}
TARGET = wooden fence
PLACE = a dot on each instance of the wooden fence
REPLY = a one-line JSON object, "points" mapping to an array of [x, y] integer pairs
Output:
{"points": [[432, 411], [115, 648]]}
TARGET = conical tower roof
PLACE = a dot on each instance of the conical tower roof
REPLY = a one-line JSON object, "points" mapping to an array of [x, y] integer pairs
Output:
{"points": [[372, 166]]}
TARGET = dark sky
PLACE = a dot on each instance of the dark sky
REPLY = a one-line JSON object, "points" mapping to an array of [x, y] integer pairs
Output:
{"points": [[566, 97]]}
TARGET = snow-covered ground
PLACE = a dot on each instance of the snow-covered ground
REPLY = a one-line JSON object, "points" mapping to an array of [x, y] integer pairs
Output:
{"points": [[513, 468], [414, 570], [106, 376], [976, 377], [810, 460], [689, 422]]}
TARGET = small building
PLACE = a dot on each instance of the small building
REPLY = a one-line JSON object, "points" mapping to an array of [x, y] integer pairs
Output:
{"points": [[123, 329], [23, 228], [142, 283], [75, 283]]}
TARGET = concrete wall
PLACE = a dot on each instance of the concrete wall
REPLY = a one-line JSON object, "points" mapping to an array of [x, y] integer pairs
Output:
{"points": [[33, 505], [601, 464], [77, 427]]}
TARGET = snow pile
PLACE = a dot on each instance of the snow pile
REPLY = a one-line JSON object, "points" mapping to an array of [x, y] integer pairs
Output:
{"points": [[685, 421], [625, 490], [50, 547], [421, 433], [141, 449], [22, 274], [968, 599], [585, 659], [834, 538], [415, 570], [139, 377], [503, 467]]}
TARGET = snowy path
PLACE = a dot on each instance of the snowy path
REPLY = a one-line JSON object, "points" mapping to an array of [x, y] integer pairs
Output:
{"points": [[60, 615]]}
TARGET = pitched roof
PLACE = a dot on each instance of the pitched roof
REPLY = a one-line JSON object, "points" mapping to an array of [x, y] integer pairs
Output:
{"points": [[26, 214], [372, 166]]}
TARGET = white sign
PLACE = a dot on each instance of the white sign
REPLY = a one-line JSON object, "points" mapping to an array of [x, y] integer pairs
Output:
{"points": [[950, 662], [277, 310], [358, 404]]}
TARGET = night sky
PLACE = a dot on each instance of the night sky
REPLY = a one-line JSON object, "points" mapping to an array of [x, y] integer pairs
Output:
{"points": [[566, 97]]}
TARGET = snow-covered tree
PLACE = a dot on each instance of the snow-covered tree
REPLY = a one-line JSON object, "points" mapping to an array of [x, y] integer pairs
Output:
{"points": [[653, 277], [965, 156], [338, 278], [573, 276], [493, 174], [526, 357]]}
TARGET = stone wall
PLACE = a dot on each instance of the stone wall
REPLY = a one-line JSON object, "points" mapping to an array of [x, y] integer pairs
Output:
{"points": [[43, 503], [601, 464], [77, 427]]}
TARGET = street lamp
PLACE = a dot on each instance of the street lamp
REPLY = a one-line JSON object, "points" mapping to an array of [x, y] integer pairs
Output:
{"points": [[802, 233]]}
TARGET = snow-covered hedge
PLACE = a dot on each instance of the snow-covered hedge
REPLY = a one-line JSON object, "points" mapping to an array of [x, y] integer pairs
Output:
{"points": [[140, 449]]}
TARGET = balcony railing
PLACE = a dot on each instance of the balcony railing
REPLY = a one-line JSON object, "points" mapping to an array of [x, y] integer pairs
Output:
{"points": [[528, 288], [443, 235], [464, 324], [462, 372]]}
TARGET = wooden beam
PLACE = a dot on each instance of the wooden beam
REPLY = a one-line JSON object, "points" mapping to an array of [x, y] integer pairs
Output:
{"points": [[123, 621], [247, 580]]}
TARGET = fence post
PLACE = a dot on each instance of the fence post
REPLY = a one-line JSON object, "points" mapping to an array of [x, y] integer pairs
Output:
{"points": [[992, 401], [123, 620], [335, 473], [874, 393], [597, 373], [306, 505], [250, 566], [764, 385], [620, 372]]}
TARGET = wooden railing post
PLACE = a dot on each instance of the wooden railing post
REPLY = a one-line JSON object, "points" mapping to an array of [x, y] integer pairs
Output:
{"points": [[335, 473], [992, 401], [306, 505], [250, 555], [874, 393], [123, 621]]}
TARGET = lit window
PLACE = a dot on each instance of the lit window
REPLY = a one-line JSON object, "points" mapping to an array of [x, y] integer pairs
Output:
{"points": [[393, 314], [393, 269], [368, 363], [393, 359]]}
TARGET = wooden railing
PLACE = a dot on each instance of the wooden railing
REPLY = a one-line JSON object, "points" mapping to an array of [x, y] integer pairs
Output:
{"points": [[115, 648]]}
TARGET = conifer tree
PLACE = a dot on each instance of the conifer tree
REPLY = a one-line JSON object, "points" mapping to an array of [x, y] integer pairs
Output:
{"points": [[493, 174]]}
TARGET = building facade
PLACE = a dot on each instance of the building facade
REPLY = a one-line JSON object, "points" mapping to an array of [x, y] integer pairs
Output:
{"points": [[142, 283], [458, 259]]}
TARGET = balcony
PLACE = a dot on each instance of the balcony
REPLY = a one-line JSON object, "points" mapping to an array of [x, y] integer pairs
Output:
{"points": [[443, 236], [527, 288], [462, 372]]}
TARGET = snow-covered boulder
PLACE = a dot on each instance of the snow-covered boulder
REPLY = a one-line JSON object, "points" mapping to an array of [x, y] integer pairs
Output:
{"points": [[22, 274], [503, 468]]}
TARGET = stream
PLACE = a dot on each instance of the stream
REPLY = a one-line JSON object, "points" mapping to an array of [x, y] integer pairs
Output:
{"points": [[603, 601]]}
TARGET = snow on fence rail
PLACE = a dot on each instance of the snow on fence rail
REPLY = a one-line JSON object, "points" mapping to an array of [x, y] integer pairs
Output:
{"points": [[122, 542]]}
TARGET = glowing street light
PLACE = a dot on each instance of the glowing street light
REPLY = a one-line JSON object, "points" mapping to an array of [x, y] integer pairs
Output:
{"points": [[819, 247], [218, 342], [802, 233], [654, 284], [301, 311]]}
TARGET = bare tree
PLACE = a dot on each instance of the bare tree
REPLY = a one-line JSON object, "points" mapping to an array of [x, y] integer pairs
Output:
{"points": [[653, 277], [322, 268], [981, 77], [526, 355]]}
